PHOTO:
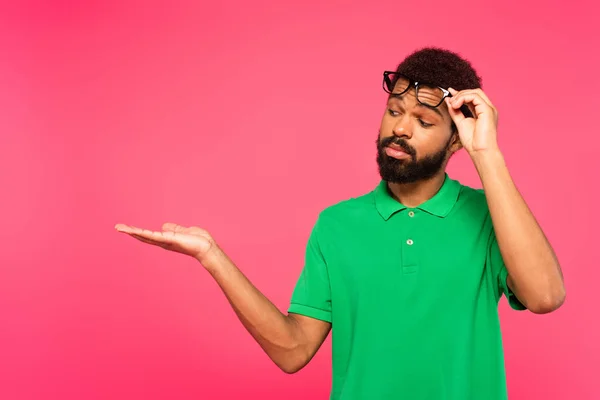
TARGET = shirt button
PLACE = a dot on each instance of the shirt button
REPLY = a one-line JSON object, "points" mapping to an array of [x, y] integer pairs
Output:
{"points": [[409, 242], [411, 214]]}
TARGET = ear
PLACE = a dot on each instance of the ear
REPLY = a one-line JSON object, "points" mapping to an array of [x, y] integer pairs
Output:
{"points": [[455, 143]]}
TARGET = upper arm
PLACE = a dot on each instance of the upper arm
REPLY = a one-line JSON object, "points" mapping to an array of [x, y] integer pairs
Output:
{"points": [[312, 294], [312, 333], [502, 280], [310, 304]]}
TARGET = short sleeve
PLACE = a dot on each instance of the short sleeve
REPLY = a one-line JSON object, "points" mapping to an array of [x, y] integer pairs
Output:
{"points": [[500, 274], [312, 294]]}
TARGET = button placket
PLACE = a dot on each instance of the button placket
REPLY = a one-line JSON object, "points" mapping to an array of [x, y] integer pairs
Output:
{"points": [[410, 264], [409, 241]]}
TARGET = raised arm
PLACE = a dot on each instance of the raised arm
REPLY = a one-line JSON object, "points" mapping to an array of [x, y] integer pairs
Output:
{"points": [[534, 273]]}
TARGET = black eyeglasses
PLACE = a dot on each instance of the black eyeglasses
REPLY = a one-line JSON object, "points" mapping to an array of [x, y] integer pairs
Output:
{"points": [[429, 95]]}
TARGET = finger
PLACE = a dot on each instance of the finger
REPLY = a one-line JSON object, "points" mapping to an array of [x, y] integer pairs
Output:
{"points": [[152, 242], [478, 92], [129, 229], [143, 239], [471, 99], [192, 230], [456, 115], [148, 234], [123, 228], [162, 237], [484, 97], [460, 109]]}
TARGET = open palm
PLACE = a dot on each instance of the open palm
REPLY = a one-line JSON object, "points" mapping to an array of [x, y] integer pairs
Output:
{"points": [[191, 241]]}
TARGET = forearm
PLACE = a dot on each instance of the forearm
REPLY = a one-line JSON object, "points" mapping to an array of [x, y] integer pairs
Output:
{"points": [[278, 334], [534, 271]]}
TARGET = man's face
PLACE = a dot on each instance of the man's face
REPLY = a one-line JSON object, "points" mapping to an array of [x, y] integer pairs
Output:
{"points": [[415, 141]]}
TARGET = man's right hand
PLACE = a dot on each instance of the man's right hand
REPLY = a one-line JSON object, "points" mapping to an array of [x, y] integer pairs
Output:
{"points": [[191, 241]]}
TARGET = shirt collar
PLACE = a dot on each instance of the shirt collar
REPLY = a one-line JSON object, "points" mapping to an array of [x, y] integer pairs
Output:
{"points": [[439, 205]]}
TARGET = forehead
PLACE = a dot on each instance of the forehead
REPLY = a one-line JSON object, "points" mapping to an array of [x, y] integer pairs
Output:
{"points": [[409, 100]]}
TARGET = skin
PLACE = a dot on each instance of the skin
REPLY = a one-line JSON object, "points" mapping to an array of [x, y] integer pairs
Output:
{"points": [[289, 340], [292, 340], [534, 273]]}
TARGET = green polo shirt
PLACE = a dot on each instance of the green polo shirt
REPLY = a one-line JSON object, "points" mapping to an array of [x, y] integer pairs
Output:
{"points": [[412, 295]]}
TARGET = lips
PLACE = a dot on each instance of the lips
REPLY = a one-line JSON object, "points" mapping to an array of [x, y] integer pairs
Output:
{"points": [[396, 152], [394, 146]]}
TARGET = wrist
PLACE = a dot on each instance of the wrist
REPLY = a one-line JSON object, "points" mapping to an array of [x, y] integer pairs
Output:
{"points": [[212, 259], [487, 158]]}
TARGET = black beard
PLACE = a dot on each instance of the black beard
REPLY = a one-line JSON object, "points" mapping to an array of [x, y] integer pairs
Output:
{"points": [[407, 170]]}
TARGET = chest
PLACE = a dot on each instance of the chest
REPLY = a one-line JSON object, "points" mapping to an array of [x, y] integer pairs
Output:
{"points": [[409, 257]]}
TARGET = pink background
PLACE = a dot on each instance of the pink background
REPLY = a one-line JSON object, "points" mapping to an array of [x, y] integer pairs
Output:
{"points": [[247, 121]]}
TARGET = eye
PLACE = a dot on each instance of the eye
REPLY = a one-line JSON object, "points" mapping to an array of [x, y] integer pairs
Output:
{"points": [[392, 112], [425, 124]]}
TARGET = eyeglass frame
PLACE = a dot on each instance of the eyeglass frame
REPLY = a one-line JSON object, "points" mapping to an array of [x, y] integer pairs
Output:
{"points": [[411, 84]]}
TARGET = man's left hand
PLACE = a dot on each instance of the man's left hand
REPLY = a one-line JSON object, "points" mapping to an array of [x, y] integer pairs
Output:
{"points": [[477, 134]]}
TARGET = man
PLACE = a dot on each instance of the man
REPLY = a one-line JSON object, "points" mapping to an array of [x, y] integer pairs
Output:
{"points": [[409, 275]]}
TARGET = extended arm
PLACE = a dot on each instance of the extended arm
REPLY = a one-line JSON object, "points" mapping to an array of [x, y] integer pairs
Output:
{"points": [[290, 340]]}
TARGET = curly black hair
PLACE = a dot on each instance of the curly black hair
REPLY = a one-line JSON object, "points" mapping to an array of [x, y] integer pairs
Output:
{"points": [[440, 67]]}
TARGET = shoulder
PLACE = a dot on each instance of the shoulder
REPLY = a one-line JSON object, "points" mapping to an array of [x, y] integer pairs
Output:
{"points": [[340, 221], [353, 206], [472, 197], [347, 213], [472, 205]]}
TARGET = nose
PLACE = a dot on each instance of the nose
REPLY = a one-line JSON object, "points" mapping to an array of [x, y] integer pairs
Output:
{"points": [[402, 127]]}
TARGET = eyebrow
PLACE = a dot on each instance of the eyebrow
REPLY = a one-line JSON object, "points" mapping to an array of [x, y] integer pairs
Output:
{"points": [[420, 105], [434, 109]]}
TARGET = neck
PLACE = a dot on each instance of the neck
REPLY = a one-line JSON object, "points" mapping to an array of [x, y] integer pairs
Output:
{"points": [[414, 194]]}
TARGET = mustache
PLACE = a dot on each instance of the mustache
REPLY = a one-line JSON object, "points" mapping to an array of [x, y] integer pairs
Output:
{"points": [[408, 149]]}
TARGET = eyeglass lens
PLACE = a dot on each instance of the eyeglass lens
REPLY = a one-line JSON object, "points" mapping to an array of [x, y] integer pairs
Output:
{"points": [[429, 95]]}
